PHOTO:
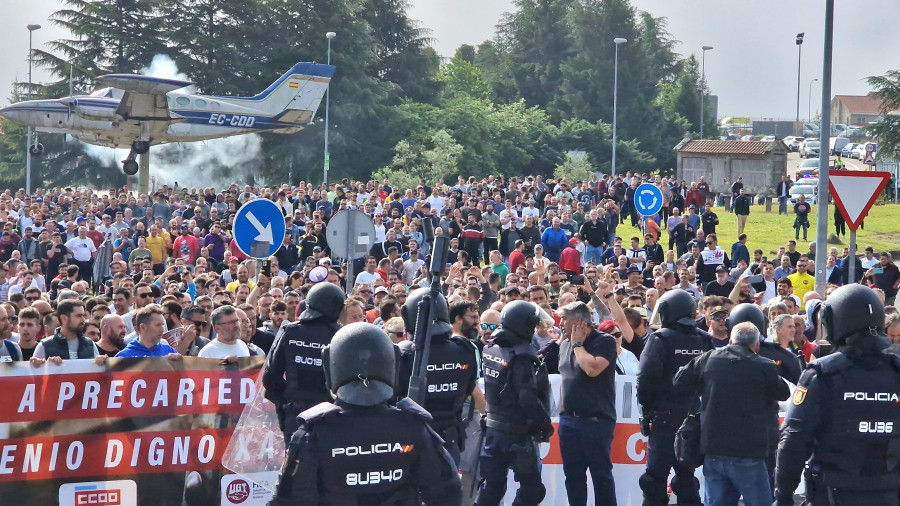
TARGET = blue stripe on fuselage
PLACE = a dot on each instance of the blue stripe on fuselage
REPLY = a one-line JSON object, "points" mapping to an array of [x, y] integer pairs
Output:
{"points": [[234, 120]]}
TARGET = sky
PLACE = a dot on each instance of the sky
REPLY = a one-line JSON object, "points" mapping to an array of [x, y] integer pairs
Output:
{"points": [[752, 68]]}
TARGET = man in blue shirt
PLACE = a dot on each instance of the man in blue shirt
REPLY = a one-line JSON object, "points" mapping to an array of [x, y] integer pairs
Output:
{"points": [[554, 240], [150, 325]]}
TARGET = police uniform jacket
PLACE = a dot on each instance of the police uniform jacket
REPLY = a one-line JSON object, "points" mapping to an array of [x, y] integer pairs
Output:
{"points": [[397, 459], [845, 416], [666, 351], [293, 370]]}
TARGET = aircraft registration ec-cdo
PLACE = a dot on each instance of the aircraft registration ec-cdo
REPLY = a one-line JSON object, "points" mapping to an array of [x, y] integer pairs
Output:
{"points": [[139, 111]]}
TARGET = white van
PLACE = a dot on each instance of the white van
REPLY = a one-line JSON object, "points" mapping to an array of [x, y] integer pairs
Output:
{"points": [[836, 144]]}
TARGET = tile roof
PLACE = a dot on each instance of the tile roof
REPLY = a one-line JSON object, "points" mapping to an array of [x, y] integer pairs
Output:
{"points": [[865, 104], [709, 147]]}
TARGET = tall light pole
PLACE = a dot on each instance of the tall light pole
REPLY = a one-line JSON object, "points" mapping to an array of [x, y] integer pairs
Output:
{"points": [[329, 36], [799, 52], [809, 101], [703, 86], [617, 40], [822, 215], [31, 29]]}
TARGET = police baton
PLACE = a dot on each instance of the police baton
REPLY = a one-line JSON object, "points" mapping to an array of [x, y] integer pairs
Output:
{"points": [[418, 382]]}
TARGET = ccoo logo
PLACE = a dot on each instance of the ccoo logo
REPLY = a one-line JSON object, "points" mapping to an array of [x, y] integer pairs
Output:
{"points": [[238, 491]]}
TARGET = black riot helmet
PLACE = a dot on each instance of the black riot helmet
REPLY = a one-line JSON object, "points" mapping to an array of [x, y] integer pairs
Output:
{"points": [[520, 318], [747, 313], [853, 316], [325, 300], [440, 311], [360, 365], [676, 306]]}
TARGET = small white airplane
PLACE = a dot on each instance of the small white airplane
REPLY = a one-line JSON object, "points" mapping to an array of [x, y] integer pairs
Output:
{"points": [[139, 111]]}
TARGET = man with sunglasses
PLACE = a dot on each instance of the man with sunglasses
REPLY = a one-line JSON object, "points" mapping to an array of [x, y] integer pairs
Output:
{"points": [[191, 320], [711, 259], [717, 319], [227, 345], [143, 296]]}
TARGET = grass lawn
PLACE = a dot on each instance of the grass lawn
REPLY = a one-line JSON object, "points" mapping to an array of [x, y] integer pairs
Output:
{"points": [[769, 231]]}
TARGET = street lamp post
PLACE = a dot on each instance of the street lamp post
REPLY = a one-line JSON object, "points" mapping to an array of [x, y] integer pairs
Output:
{"points": [[329, 36], [31, 29], [703, 86], [617, 40], [799, 52], [809, 101]]}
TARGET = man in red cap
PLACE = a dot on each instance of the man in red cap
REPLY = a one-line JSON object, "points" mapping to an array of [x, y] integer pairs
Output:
{"points": [[570, 259]]}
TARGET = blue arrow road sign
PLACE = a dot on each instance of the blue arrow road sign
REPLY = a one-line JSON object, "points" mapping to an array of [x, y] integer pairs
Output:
{"points": [[648, 199], [259, 228]]}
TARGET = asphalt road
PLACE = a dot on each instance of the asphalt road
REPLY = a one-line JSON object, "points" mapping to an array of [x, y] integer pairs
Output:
{"points": [[793, 161]]}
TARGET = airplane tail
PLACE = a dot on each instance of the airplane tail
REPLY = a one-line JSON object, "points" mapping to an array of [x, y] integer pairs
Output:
{"points": [[295, 96]]}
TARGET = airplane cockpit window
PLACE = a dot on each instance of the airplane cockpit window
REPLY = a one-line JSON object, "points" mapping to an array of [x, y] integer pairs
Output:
{"points": [[102, 92], [199, 103], [183, 101]]}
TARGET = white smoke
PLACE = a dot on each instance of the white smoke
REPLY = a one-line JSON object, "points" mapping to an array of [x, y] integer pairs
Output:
{"points": [[214, 163], [164, 67]]}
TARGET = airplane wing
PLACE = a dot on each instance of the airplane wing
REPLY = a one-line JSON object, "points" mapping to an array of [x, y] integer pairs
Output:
{"points": [[145, 96]]}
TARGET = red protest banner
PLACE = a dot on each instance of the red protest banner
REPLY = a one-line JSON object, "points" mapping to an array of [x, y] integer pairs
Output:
{"points": [[150, 428]]}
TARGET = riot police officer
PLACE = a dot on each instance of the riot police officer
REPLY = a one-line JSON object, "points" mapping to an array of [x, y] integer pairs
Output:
{"points": [[360, 450], [845, 411], [667, 350], [518, 393], [293, 374], [452, 371]]}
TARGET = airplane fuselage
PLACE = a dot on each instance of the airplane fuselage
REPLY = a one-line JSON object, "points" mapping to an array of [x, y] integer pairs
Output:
{"points": [[139, 111], [94, 119]]}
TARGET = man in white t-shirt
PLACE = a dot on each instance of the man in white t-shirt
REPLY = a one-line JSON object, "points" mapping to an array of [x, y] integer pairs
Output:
{"points": [[369, 275], [227, 345], [109, 232], [82, 250], [436, 200]]}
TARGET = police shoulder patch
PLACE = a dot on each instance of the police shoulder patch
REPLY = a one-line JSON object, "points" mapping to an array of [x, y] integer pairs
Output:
{"points": [[799, 396]]}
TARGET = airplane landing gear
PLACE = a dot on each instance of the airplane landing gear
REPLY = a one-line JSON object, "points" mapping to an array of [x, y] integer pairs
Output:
{"points": [[140, 147], [36, 149], [129, 167]]}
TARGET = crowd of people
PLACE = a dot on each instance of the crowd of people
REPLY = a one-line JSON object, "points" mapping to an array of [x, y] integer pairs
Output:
{"points": [[177, 284]]}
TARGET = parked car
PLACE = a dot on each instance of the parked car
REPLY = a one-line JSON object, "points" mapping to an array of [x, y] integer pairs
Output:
{"points": [[807, 190], [768, 138], [794, 144], [859, 151], [846, 150], [809, 148]]}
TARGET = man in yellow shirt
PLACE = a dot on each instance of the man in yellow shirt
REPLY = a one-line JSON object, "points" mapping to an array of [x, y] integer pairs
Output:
{"points": [[802, 280], [243, 277], [157, 246]]}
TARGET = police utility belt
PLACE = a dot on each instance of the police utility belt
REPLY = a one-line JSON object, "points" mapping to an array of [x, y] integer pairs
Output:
{"points": [[509, 427]]}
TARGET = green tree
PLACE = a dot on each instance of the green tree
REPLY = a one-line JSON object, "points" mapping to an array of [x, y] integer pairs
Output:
{"points": [[574, 168], [114, 36], [537, 39], [682, 98], [462, 77], [412, 163], [887, 129], [402, 47], [213, 43]]}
